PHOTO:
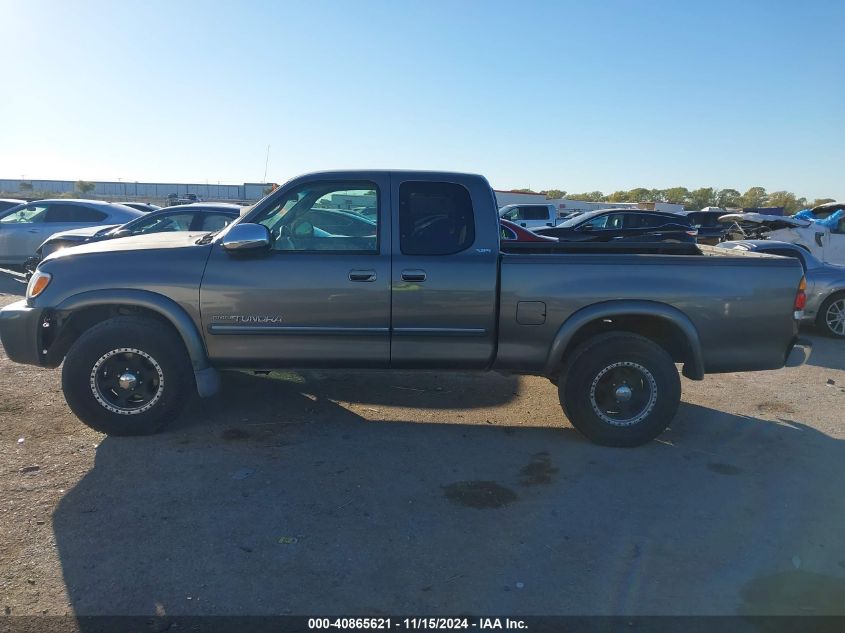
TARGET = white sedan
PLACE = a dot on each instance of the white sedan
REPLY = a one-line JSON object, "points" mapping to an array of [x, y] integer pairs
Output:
{"points": [[24, 227]]}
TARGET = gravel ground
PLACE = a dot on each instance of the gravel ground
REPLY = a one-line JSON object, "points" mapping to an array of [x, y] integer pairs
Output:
{"points": [[433, 493]]}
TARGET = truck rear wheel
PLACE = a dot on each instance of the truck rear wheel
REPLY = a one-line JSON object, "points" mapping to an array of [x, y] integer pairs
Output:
{"points": [[127, 376], [620, 389]]}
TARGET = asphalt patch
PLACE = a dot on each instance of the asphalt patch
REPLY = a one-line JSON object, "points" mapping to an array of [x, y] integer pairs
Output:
{"points": [[479, 494]]}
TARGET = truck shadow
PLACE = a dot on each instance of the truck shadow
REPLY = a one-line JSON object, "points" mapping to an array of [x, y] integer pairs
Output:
{"points": [[266, 395], [299, 505]]}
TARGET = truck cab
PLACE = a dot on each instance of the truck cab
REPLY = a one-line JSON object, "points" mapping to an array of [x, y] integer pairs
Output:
{"points": [[356, 290]]}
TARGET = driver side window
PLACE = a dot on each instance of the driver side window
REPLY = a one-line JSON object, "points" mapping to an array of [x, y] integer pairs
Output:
{"points": [[324, 216], [599, 222]]}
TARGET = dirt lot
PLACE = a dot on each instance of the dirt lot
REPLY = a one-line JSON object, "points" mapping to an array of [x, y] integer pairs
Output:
{"points": [[371, 492]]}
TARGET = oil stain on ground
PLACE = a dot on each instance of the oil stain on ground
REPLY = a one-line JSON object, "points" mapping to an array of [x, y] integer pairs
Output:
{"points": [[479, 494], [538, 471], [724, 469], [794, 592], [775, 407]]}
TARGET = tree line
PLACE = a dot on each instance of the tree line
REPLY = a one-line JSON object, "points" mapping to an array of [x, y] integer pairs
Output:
{"points": [[695, 199]]}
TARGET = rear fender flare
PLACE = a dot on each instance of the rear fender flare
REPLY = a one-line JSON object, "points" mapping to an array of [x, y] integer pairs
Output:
{"points": [[693, 365]]}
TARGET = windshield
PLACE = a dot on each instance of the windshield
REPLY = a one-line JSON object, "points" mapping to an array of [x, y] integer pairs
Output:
{"points": [[578, 219], [26, 215]]}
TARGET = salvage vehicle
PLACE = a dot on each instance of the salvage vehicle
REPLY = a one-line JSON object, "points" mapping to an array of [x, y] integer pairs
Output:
{"points": [[823, 211], [706, 222], [24, 227], [531, 216], [143, 322], [825, 283], [631, 225], [826, 243], [197, 218]]}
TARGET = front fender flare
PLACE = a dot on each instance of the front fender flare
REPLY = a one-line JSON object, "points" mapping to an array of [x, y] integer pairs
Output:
{"points": [[693, 365], [207, 379]]}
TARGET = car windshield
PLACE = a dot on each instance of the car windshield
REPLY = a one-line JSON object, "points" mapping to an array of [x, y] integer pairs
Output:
{"points": [[578, 219], [25, 215]]}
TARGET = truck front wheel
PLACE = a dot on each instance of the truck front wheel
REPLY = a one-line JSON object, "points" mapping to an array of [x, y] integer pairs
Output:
{"points": [[127, 376], [620, 389]]}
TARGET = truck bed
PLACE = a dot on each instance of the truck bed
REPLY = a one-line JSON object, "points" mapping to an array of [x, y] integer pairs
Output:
{"points": [[737, 304]]}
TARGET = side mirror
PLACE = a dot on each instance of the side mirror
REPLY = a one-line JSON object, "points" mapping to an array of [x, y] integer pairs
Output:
{"points": [[246, 238], [585, 227], [121, 233]]}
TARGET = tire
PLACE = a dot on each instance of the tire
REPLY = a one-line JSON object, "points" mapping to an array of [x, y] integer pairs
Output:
{"points": [[127, 376], [831, 315], [620, 389]]}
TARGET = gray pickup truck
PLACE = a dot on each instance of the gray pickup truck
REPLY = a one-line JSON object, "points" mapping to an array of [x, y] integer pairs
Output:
{"points": [[405, 270]]}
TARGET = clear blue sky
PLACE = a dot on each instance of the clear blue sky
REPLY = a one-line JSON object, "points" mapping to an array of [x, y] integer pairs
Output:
{"points": [[574, 95]]}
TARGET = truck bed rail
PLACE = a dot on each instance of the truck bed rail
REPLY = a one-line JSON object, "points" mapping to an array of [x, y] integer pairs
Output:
{"points": [[644, 248]]}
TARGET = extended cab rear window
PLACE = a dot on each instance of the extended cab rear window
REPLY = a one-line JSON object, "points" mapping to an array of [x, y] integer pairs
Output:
{"points": [[435, 218]]}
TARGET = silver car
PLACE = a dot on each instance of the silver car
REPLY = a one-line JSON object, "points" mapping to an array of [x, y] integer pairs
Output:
{"points": [[24, 227], [825, 283]]}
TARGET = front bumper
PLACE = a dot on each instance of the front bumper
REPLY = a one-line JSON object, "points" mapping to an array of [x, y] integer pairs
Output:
{"points": [[799, 353], [20, 332]]}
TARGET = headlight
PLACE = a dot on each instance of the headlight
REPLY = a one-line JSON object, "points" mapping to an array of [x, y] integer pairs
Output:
{"points": [[37, 284]]}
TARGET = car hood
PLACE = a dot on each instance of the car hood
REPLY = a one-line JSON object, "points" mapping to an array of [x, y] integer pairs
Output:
{"points": [[88, 231], [153, 241]]}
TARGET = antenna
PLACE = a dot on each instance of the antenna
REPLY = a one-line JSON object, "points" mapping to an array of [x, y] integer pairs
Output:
{"points": [[266, 163]]}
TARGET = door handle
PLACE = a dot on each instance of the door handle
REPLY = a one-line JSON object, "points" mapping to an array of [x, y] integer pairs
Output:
{"points": [[362, 275], [32, 231], [413, 275]]}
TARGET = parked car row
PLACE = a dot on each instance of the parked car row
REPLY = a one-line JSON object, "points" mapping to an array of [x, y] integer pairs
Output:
{"points": [[820, 231], [198, 218], [631, 225], [30, 231], [809, 243], [24, 227]]}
